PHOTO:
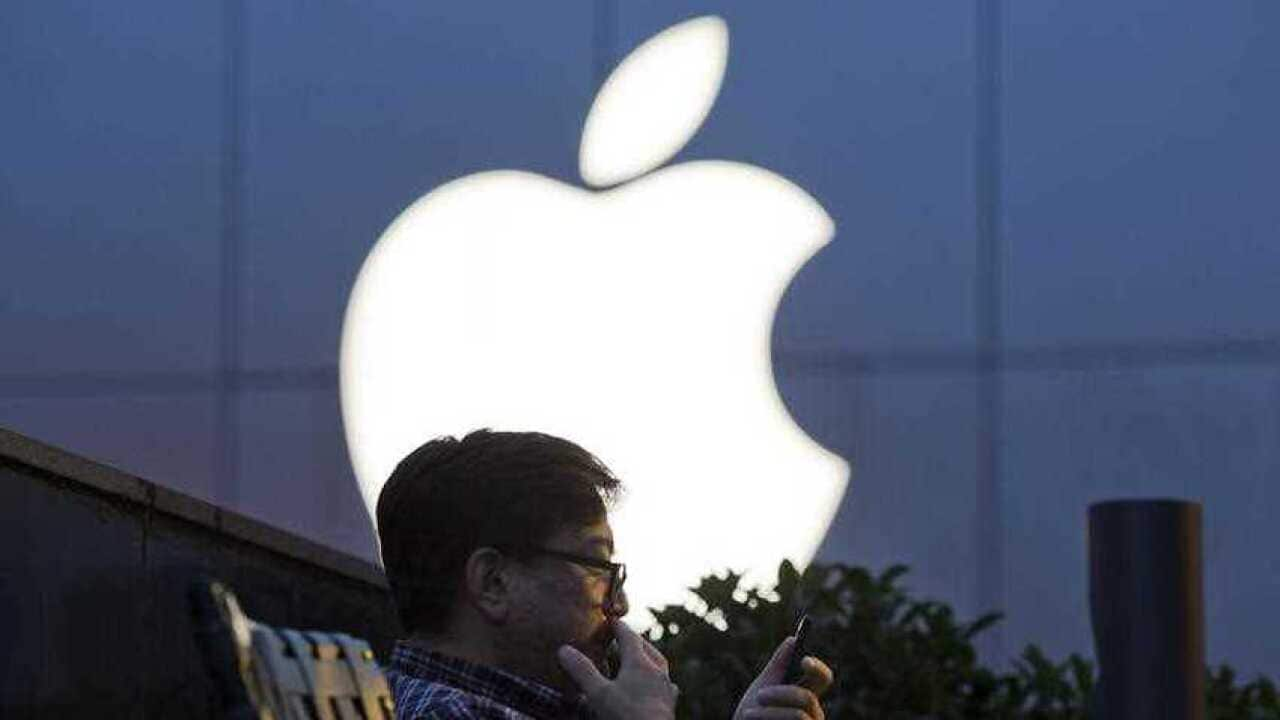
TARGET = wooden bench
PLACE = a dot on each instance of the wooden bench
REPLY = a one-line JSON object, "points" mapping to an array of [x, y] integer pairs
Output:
{"points": [[269, 673]]}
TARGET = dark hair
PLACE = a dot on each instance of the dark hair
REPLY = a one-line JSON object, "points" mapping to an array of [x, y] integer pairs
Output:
{"points": [[489, 489]]}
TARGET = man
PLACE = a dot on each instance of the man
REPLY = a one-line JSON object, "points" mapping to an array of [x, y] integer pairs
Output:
{"points": [[498, 551]]}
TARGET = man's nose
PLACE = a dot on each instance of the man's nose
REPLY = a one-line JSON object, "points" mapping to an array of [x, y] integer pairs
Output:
{"points": [[619, 606]]}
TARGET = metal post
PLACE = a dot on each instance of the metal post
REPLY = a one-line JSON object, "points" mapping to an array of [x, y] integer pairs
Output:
{"points": [[1147, 607]]}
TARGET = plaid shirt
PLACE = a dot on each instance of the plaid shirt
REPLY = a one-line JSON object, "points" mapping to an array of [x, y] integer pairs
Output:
{"points": [[430, 686]]}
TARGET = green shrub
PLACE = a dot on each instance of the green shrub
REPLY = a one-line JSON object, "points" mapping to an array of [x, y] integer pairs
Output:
{"points": [[894, 656], [1256, 700]]}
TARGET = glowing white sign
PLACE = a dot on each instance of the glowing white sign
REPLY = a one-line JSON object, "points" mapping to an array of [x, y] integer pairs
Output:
{"points": [[634, 321]]}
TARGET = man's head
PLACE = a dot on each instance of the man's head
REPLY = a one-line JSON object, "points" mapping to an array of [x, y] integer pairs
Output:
{"points": [[499, 542]]}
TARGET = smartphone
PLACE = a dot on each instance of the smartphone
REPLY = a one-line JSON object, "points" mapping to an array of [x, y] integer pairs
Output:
{"points": [[801, 648]]}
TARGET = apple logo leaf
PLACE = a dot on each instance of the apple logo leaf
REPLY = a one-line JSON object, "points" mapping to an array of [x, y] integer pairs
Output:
{"points": [[654, 101]]}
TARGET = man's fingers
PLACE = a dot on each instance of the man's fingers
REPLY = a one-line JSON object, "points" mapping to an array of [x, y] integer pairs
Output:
{"points": [[777, 713], [776, 668], [580, 668], [632, 645], [655, 655], [790, 696], [641, 691], [769, 699], [817, 675]]}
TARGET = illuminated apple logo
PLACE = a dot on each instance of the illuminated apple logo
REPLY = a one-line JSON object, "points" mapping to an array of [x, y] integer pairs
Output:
{"points": [[634, 320]]}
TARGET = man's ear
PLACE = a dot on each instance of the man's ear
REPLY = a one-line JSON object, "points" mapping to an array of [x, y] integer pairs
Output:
{"points": [[488, 584]]}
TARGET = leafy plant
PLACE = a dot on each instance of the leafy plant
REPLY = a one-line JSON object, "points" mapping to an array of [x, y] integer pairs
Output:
{"points": [[895, 657], [1255, 700]]}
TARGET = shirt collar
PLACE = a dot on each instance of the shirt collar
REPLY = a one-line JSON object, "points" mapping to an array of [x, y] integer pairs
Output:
{"points": [[529, 697]]}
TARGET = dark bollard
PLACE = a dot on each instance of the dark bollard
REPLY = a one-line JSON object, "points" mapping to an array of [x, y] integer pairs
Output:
{"points": [[1146, 603]]}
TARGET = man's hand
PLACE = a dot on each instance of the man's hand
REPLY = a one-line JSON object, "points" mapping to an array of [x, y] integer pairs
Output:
{"points": [[642, 690], [769, 698]]}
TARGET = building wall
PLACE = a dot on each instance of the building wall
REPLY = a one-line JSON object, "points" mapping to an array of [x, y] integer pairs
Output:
{"points": [[1053, 281], [95, 575]]}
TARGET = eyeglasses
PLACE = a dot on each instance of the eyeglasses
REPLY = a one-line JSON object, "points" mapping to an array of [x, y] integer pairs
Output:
{"points": [[617, 571]]}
